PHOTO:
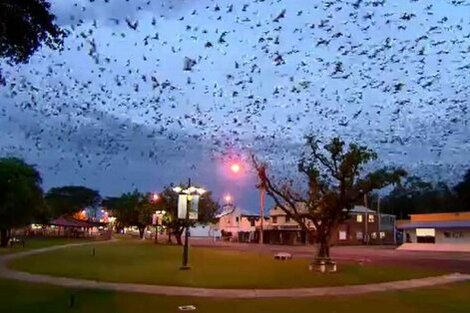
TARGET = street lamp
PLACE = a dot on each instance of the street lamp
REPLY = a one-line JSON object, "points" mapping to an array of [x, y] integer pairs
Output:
{"points": [[187, 195], [155, 197], [228, 199], [235, 167]]}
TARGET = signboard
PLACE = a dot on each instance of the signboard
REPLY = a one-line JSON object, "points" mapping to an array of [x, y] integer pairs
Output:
{"points": [[182, 206], [194, 207]]}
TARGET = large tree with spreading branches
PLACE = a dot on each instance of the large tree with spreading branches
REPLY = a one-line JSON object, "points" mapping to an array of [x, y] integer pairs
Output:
{"points": [[26, 25], [68, 200], [133, 209], [335, 180], [20, 195]]}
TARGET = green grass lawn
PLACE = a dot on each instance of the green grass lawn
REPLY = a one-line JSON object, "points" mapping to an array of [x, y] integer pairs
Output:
{"points": [[39, 242], [137, 262], [16, 297]]}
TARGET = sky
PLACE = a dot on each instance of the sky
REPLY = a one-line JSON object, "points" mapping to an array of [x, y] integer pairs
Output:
{"points": [[147, 93]]}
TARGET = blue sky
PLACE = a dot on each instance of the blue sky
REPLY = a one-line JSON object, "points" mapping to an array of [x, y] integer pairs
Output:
{"points": [[115, 110]]}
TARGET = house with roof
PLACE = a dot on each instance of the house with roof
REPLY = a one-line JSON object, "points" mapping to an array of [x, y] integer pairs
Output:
{"points": [[365, 226], [239, 225], [436, 232]]}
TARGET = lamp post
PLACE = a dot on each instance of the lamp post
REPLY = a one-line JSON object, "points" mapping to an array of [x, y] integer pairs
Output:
{"points": [[155, 198], [189, 193]]}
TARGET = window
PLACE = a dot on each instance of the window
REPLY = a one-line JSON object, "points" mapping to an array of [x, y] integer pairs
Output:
{"points": [[359, 218], [342, 235], [237, 219], [287, 219], [425, 235], [371, 218], [252, 223], [359, 235], [373, 235], [382, 235], [274, 219], [425, 232]]}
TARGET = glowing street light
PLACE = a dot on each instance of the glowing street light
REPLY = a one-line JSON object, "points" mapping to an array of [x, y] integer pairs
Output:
{"points": [[228, 198], [235, 167], [155, 197]]}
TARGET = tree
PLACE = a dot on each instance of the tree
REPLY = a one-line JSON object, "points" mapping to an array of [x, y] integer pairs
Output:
{"points": [[24, 26], [20, 195], [133, 209], [463, 192], [417, 196], [335, 182], [68, 200], [169, 202]]}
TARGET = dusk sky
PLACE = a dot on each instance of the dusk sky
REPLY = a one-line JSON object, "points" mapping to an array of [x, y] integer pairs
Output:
{"points": [[146, 93]]}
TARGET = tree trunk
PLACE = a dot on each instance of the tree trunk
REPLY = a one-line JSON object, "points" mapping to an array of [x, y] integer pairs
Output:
{"points": [[156, 235], [178, 237], [324, 250], [323, 240], [141, 232], [4, 238], [169, 236]]}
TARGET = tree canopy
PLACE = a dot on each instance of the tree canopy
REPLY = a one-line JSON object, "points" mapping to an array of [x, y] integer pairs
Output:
{"points": [[335, 181], [68, 200], [416, 196], [20, 195], [24, 26], [463, 192], [132, 209]]}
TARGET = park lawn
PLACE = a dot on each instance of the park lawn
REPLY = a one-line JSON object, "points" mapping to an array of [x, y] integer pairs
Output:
{"points": [[17, 297], [138, 262], [39, 242]]}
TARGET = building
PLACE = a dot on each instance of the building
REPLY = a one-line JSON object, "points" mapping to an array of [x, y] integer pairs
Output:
{"points": [[282, 230], [436, 232], [364, 226], [238, 225], [205, 231]]}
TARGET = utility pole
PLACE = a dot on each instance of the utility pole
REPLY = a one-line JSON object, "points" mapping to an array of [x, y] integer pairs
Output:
{"points": [[366, 217], [379, 220], [262, 196], [186, 236]]}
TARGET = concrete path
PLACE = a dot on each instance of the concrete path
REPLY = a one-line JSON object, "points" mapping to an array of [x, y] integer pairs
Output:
{"points": [[5, 272]]}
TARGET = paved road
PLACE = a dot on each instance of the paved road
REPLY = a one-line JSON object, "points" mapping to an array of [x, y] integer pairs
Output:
{"points": [[5, 272], [447, 261]]}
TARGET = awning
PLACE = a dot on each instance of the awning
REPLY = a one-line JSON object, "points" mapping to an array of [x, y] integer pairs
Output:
{"points": [[68, 222], [437, 224]]}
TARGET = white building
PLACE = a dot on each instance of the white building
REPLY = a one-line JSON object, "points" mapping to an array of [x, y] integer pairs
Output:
{"points": [[436, 232], [238, 225]]}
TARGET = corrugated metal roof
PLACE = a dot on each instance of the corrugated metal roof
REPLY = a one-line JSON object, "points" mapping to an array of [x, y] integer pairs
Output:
{"points": [[437, 224]]}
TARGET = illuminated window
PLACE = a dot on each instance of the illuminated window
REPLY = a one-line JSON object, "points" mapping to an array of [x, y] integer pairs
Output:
{"points": [[374, 235], [359, 218], [371, 218], [359, 235], [342, 235], [425, 232], [382, 235]]}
